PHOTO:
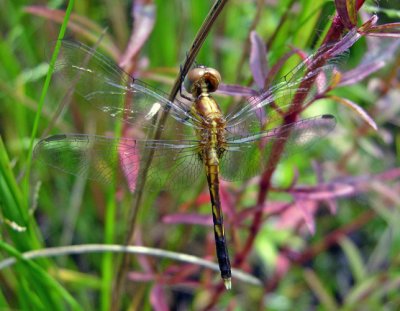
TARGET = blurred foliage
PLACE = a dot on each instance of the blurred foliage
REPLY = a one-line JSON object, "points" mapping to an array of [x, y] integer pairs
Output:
{"points": [[350, 263]]}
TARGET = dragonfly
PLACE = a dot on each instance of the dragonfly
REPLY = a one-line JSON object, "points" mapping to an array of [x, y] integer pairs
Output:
{"points": [[207, 144]]}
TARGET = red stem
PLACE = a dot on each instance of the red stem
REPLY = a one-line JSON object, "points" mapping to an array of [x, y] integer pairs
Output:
{"points": [[333, 35]]}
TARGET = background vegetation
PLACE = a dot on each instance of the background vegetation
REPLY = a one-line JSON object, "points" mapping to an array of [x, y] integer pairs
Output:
{"points": [[328, 234]]}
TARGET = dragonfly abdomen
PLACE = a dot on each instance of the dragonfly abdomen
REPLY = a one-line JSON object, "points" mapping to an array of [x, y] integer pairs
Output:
{"points": [[218, 220]]}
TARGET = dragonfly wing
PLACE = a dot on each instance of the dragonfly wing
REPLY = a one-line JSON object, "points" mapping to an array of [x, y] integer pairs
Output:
{"points": [[93, 157], [248, 153], [108, 88], [174, 163], [174, 166], [252, 130], [292, 93]]}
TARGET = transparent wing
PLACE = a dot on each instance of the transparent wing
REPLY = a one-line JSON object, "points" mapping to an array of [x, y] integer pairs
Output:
{"points": [[247, 154], [174, 163], [290, 94], [252, 130], [108, 88]]}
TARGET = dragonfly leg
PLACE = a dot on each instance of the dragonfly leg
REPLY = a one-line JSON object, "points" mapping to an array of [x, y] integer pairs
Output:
{"points": [[183, 95]]}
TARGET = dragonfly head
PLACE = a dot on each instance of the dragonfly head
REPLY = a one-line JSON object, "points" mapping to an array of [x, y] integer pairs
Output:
{"points": [[202, 79]]}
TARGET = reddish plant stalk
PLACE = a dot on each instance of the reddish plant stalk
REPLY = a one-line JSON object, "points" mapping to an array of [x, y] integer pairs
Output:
{"points": [[333, 35], [276, 154]]}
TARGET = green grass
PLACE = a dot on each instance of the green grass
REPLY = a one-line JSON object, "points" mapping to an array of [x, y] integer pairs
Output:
{"points": [[41, 207]]}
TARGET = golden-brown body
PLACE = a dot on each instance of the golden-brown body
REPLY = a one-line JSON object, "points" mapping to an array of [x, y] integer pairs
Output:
{"points": [[202, 81]]}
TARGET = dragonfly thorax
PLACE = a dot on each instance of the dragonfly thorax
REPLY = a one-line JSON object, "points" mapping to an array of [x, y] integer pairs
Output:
{"points": [[207, 109]]}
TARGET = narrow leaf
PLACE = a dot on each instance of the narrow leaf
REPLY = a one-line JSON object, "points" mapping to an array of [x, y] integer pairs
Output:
{"points": [[360, 111], [342, 11], [352, 11], [308, 209], [258, 59], [345, 43], [325, 192], [158, 299], [236, 90], [354, 257], [387, 30], [144, 19], [326, 299], [368, 24]]}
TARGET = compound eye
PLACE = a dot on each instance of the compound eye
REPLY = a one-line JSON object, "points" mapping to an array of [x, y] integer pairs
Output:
{"points": [[212, 78], [193, 78]]}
